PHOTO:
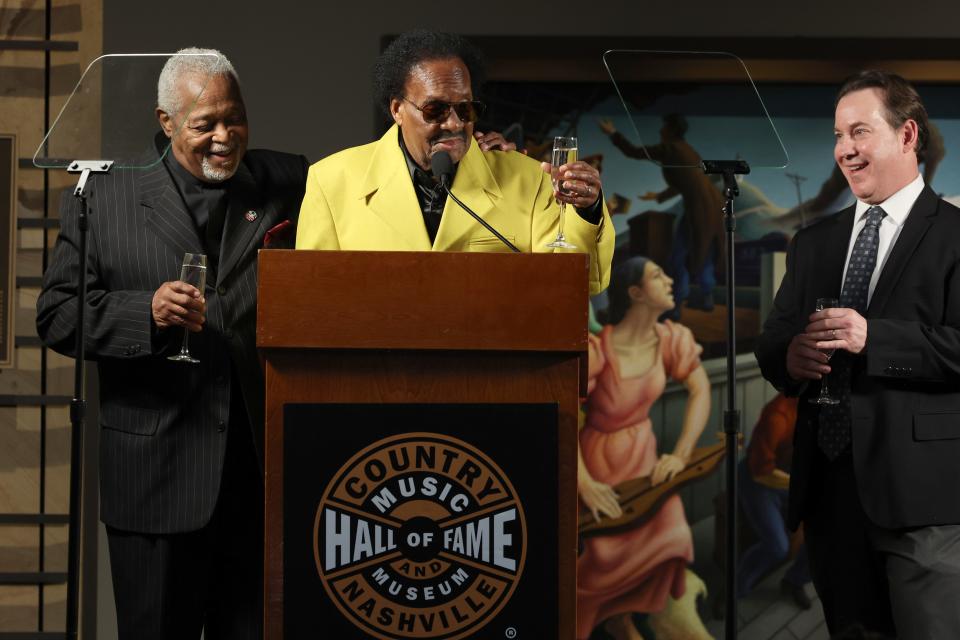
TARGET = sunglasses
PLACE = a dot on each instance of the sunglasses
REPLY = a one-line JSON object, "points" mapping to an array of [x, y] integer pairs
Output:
{"points": [[437, 111]]}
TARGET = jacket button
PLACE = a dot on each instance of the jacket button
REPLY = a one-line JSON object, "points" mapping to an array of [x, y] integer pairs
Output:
{"points": [[228, 334], [221, 426], [222, 290]]}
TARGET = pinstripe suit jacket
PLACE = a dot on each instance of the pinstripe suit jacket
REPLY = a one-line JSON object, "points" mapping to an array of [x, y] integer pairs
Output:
{"points": [[164, 424]]}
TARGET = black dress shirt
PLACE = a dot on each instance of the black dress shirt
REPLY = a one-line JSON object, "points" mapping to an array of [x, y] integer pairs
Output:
{"points": [[430, 194], [207, 203]]}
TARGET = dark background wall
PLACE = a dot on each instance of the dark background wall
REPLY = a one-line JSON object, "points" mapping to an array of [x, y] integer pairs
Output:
{"points": [[305, 66]]}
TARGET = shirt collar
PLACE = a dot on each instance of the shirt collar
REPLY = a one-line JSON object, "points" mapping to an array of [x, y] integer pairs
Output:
{"points": [[897, 206]]}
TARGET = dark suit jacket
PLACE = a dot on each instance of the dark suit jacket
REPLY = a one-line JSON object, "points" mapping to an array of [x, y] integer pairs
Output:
{"points": [[905, 386], [163, 423]]}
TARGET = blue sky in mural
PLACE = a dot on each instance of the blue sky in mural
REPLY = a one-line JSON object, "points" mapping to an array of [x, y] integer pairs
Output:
{"points": [[774, 193], [768, 191]]}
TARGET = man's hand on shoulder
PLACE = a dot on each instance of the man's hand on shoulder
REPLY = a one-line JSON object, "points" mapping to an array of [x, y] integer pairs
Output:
{"points": [[178, 304], [804, 360], [839, 329]]}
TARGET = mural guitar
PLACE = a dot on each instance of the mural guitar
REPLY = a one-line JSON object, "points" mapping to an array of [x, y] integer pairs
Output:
{"points": [[639, 498]]}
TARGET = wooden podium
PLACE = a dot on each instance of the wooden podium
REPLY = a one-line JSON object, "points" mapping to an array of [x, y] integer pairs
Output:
{"points": [[454, 359]]}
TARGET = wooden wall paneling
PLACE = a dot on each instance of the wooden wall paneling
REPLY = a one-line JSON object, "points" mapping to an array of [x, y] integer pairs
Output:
{"points": [[37, 36]]}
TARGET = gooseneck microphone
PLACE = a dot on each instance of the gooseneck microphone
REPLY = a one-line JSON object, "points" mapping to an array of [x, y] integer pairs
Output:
{"points": [[442, 166]]}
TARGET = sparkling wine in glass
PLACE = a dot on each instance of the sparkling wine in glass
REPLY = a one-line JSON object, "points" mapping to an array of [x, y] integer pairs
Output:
{"points": [[564, 152], [825, 396], [193, 272]]}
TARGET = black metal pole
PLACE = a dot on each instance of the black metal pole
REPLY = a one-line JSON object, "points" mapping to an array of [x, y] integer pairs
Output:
{"points": [[77, 413], [729, 169], [731, 423], [42, 534]]}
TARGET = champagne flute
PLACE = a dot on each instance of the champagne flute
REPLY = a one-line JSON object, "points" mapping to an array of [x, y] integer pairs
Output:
{"points": [[564, 152], [193, 272], [825, 396]]}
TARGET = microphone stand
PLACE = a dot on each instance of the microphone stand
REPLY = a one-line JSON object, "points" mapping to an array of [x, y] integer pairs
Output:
{"points": [[78, 406], [730, 169], [444, 182]]}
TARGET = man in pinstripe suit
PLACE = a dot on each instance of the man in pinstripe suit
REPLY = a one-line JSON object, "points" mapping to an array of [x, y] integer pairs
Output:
{"points": [[180, 473]]}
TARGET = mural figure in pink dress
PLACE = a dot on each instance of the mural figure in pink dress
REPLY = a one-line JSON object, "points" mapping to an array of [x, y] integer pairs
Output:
{"points": [[642, 570]]}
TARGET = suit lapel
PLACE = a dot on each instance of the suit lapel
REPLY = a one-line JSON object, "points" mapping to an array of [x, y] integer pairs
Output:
{"points": [[388, 192], [832, 258], [247, 212], [475, 185], [168, 216], [914, 228]]}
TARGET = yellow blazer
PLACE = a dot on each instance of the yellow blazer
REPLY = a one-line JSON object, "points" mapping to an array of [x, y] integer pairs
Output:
{"points": [[363, 199]]}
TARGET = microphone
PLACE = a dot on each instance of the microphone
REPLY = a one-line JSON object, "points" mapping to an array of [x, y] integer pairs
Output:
{"points": [[442, 166]]}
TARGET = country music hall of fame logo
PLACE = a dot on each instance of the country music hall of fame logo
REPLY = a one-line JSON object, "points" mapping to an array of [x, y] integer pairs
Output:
{"points": [[420, 535]]}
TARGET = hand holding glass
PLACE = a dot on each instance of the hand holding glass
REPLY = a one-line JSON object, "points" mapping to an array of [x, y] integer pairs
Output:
{"points": [[825, 396], [193, 272], [564, 152]]}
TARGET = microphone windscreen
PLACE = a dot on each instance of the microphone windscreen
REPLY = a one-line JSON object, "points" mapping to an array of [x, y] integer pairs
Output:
{"points": [[442, 166]]}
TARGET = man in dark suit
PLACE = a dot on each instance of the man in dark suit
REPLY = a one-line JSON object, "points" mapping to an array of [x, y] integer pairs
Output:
{"points": [[181, 483], [876, 479]]}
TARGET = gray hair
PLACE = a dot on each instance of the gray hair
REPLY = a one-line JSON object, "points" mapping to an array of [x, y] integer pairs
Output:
{"points": [[191, 60]]}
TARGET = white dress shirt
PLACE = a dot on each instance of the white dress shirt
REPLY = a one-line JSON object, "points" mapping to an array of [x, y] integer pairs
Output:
{"points": [[897, 207]]}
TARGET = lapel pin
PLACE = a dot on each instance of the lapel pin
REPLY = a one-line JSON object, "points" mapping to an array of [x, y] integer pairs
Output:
{"points": [[251, 215]]}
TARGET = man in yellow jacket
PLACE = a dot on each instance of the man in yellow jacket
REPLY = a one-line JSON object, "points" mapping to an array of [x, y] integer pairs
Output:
{"points": [[383, 195]]}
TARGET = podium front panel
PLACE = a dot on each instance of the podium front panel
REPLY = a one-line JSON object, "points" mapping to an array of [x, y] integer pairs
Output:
{"points": [[310, 387], [420, 520]]}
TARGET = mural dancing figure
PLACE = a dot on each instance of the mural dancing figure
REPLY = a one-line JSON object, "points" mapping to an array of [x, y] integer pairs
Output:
{"points": [[697, 252], [641, 569]]}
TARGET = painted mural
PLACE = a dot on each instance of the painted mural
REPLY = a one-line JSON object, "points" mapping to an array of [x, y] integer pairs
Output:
{"points": [[649, 564], [670, 215], [635, 558]]}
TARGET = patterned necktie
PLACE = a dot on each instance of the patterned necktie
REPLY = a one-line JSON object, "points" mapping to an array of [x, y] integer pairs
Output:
{"points": [[834, 434]]}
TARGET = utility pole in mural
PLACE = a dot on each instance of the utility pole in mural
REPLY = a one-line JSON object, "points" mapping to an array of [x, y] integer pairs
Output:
{"points": [[797, 179]]}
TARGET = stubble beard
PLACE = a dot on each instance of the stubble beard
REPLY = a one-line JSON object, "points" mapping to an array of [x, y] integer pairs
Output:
{"points": [[221, 173]]}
